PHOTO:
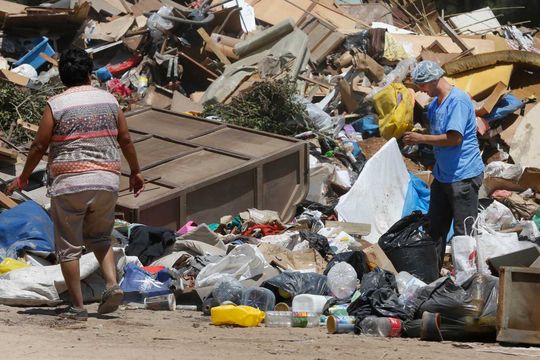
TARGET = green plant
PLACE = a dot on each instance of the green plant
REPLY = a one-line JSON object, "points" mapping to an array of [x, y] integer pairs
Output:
{"points": [[267, 106], [18, 102]]}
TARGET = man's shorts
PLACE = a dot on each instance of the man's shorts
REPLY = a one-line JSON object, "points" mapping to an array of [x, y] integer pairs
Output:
{"points": [[82, 218]]}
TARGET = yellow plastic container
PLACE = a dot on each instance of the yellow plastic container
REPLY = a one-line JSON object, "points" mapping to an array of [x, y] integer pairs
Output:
{"points": [[246, 316], [9, 264]]}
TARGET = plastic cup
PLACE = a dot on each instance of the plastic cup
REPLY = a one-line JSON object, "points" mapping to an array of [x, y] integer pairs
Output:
{"points": [[161, 302]]}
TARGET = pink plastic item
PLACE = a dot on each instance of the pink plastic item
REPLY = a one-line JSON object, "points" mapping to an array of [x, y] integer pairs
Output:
{"points": [[189, 226]]}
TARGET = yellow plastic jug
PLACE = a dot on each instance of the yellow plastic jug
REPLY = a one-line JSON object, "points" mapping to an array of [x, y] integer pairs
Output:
{"points": [[9, 264], [241, 315]]}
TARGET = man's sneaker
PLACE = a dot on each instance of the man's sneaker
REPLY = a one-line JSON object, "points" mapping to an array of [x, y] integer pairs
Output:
{"points": [[74, 314], [110, 300]]}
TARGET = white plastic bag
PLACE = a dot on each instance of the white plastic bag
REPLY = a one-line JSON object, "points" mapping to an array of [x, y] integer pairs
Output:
{"points": [[497, 216], [492, 244], [503, 170], [464, 253], [243, 262]]}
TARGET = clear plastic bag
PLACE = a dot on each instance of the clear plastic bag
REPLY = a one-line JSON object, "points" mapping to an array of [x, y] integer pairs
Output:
{"points": [[243, 262]]}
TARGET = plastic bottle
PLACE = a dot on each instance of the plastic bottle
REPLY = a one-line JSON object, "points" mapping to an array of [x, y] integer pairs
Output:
{"points": [[236, 315], [309, 303], [408, 285], [278, 319], [259, 298], [341, 280], [228, 290], [385, 327]]}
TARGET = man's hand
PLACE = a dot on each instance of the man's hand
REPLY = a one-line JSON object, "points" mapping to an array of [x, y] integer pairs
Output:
{"points": [[413, 138], [136, 183]]}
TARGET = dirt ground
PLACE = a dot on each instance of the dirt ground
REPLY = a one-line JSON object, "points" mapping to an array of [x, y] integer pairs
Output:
{"points": [[36, 333]]}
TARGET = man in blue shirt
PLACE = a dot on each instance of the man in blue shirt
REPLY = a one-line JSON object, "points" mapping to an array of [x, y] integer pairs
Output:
{"points": [[459, 170]]}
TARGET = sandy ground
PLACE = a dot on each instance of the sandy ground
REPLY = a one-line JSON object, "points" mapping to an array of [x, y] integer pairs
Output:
{"points": [[36, 333]]}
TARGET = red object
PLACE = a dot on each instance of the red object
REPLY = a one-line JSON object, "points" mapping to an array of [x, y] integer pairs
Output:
{"points": [[118, 69], [266, 229], [153, 269], [116, 86]]}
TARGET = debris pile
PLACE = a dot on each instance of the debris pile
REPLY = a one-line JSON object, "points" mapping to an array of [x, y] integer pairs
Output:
{"points": [[342, 239]]}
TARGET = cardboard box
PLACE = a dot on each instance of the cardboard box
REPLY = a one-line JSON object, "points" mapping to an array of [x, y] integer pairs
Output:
{"points": [[530, 178], [377, 257]]}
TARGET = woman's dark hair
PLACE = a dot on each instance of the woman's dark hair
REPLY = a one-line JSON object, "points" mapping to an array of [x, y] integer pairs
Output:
{"points": [[74, 67]]}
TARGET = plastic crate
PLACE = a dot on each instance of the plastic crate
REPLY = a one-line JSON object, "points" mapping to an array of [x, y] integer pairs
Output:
{"points": [[32, 57]]}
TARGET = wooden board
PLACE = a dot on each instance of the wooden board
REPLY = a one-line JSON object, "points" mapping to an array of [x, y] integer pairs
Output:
{"points": [[350, 228], [480, 45], [6, 201], [492, 100], [275, 11], [518, 313]]}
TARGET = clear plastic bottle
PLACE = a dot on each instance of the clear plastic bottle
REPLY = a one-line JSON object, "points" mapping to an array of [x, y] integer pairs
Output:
{"points": [[259, 298], [228, 290], [380, 326], [342, 280], [408, 285]]}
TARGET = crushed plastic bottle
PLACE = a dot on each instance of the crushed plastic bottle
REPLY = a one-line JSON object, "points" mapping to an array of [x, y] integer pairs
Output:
{"points": [[380, 326], [342, 280]]}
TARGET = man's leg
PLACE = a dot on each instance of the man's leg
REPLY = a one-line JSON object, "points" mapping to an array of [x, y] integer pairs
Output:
{"points": [[440, 217], [465, 204]]}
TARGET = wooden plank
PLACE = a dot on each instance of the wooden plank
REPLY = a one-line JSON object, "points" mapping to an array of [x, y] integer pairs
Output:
{"points": [[492, 100], [518, 313], [6, 201], [213, 46], [8, 153], [350, 228], [450, 32], [27, 125], [49, 59]]}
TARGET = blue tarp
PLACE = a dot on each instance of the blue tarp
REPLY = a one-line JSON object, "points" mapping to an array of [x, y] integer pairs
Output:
{"points": [[506, 106], [25, 227], [368, 124], [417, 197]]}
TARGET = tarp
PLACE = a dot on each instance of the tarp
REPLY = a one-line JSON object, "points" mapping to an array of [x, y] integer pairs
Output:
{"points": [[417, 197], [378, 195], [25, 227]]}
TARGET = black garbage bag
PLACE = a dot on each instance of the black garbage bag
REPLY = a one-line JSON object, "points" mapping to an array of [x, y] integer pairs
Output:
{"points": [[379, 297], [467, 312], [149, 243], [410, 248], [357, 259], [317, 242], [477, 297], [291, 283]]}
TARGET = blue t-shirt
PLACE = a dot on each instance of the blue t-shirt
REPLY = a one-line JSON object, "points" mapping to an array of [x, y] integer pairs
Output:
{"points": [[455, 163]]}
